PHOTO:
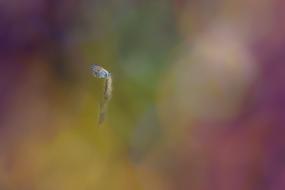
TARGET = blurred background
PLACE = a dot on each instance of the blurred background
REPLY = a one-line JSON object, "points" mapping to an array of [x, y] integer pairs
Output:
{"points": [[198, 100]]}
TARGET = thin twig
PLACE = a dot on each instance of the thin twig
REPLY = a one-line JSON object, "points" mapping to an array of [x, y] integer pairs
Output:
{"points": [[106, 98]]}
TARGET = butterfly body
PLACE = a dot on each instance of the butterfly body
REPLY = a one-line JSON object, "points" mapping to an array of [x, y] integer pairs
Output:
{"points": [[100, 72]]}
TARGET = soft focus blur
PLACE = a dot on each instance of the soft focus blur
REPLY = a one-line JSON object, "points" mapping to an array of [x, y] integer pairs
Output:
{"points": [[198, 100]]}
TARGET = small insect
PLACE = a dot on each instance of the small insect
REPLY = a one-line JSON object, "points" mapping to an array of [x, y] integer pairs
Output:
{"points": [[100, 72]]}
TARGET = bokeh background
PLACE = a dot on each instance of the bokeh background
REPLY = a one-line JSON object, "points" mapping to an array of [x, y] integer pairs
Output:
{"points": [[198, 100]]}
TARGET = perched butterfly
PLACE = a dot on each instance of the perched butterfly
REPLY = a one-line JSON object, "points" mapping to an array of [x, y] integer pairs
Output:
{"points": [[102, 73]]}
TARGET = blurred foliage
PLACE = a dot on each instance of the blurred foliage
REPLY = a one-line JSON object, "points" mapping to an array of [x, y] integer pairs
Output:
{"points": [[198, 100]]}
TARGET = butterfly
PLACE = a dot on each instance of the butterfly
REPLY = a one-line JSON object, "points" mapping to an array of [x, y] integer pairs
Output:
{"points": [[100, 72]]}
